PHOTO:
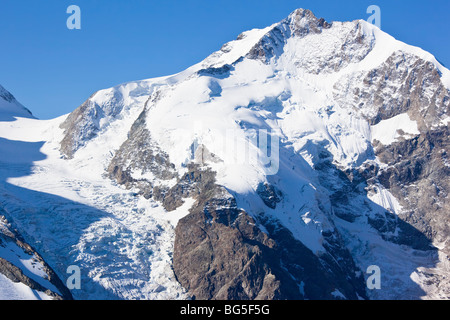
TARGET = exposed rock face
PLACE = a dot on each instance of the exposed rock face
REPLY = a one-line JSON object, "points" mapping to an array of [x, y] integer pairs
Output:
{"points": [[139, 153], [415, 166], [350, 43], [416, 174], [347, 187], [403, 83], [86, 121], [98, 112], [221, 253], [77, 126], [269, 195]]}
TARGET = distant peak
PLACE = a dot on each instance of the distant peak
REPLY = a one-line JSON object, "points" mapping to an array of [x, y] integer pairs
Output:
{"points": [[10, 107]]}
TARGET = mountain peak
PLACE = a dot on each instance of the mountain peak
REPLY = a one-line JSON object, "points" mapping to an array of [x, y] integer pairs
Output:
{"points": [[303, 21], [300, 12]]}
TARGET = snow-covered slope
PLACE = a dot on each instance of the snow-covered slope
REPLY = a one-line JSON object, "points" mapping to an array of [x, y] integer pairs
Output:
{"points": [[24, 275], [118, 186], [10, 107], [74, 216]]}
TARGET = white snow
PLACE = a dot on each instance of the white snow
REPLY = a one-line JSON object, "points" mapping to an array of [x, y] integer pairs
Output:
{"points": [[18, 291], [336, 293], [235, 49], [385, 199], [387, 131]]}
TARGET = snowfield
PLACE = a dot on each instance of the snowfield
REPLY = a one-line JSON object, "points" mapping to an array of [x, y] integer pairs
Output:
{"points": [[18, 291], [74, 216]]}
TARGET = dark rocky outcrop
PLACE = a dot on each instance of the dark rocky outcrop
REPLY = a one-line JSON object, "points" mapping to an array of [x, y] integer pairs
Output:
{"points": [[416, 175], [220, 252], [403, 83], [85, 122], [416, 166], [140, 153], [78, 127], [269, 194]]}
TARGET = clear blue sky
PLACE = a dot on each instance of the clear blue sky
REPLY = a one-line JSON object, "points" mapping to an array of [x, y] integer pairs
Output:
{"points": [[52, 69]]}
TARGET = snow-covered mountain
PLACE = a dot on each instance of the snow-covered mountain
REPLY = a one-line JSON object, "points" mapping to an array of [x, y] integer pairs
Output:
{"points": [[280, 167], [10, 107]]}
